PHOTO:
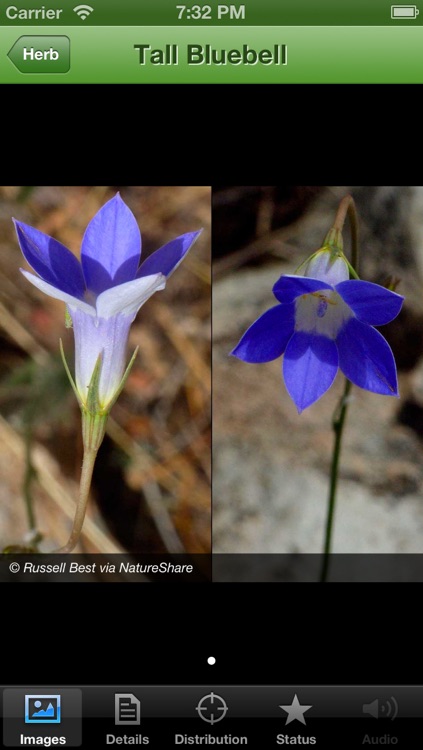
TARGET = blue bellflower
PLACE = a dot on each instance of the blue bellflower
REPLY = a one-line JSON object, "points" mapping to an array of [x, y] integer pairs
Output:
{"points": [[324, 321], [104, 291]]}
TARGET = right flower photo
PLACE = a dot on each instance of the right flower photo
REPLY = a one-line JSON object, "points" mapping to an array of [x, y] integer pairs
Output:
{"points": [[317, 440]]}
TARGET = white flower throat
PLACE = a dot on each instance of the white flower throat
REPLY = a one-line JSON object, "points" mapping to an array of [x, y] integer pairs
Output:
{"points": [[323, 313]]}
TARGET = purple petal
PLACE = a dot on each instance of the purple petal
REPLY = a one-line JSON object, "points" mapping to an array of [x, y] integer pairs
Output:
{"points": [[371, 303], [366, 358], [53, 291], [167, 258], [111, 247], [128, 298], [289, 288], [51, 260], [310, 365], [267, 338]]}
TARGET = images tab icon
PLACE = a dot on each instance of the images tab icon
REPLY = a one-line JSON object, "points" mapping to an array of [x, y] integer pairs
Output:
{"points": [[42, 709]]}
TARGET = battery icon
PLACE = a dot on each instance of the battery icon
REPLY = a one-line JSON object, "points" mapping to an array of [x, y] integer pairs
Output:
{"points": [[404, 11]]}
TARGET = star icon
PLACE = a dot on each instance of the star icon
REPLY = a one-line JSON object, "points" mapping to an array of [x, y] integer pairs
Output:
{"points": [[295, 711]]}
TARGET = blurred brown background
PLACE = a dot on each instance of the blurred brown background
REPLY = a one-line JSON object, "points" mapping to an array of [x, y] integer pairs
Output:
{"points": [[271, 465], [151, 486]]}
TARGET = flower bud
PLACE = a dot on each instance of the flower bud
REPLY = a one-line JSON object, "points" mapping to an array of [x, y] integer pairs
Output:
{"points": [[327, 264]]}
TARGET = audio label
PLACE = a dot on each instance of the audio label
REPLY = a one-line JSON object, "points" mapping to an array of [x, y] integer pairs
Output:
{"points": [[385, 739]]}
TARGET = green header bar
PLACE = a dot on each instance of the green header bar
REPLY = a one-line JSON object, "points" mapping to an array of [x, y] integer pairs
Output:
{"points": [[209, 13], [225, 55]]}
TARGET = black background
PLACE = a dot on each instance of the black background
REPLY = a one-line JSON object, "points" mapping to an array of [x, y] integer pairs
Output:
{"points": [[163, 633]]}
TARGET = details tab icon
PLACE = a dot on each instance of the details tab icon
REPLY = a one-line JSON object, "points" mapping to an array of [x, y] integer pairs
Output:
{"points": [[127, 709]]}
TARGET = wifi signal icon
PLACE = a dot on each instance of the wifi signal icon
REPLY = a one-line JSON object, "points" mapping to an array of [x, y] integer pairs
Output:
{"points": [[83, 11]]}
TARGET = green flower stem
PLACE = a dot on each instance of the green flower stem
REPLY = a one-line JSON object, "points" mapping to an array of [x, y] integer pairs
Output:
{"points": [[90, 456], [346, 208], [338, 426], [93, 431]]}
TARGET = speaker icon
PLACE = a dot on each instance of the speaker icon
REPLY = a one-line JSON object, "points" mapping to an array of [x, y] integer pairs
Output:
{"points": [[379, 709]]}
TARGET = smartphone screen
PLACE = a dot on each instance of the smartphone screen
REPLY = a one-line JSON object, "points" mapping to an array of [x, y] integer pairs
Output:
{"points": [[180, 402]]}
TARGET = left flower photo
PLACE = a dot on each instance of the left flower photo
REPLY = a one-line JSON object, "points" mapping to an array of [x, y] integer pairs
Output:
{"points": [[105, 369]]}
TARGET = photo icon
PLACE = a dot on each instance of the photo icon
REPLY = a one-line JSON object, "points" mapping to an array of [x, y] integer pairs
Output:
{"points": [[42, 709]]}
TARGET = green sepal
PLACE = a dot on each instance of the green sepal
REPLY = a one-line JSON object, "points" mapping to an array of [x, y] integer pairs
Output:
{"points": [[93, 402], [94, 417], [123, 381], [334, 239], [334, 251], [352, 271], [307, 260], [93, 429], [68, 373], [68, 318]]}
